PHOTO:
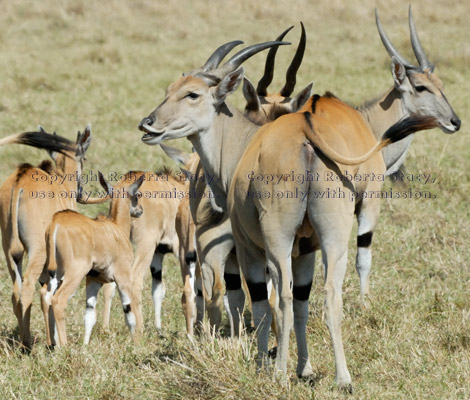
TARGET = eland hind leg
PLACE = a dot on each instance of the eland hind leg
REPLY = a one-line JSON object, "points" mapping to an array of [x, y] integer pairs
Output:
{"points": [[234, 300], [278, 247], [109, 289], [36, 262], [214, 244], [332, 222], [14, 263], [253, 266], [92, 289], [122, 277], [367, 214], [188, 267], [302, 270], [144, 253], [158, 286], [66, 288]]}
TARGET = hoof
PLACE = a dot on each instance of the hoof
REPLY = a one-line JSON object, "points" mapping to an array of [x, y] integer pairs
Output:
{"points": [[346, 388], [50, 347], [272, 354], [310, 380]]}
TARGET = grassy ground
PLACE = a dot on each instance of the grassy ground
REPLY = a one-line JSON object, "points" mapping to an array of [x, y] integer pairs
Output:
{"points": [[66, 63]]}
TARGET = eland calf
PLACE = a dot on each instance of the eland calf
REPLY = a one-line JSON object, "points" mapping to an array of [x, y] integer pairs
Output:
{"points": [[79, 247]]}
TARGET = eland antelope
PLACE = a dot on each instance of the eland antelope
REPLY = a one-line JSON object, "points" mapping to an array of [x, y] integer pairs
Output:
{"points": [[164, 227], [213, 230], [417, 89], [284, 231], [154, 235], [48, 188], [79, 247], [219, 261], [324, 136]]}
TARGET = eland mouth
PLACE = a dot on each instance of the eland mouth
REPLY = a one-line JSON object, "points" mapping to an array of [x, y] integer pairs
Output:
{"points": [[152, 135], [453, 127]]}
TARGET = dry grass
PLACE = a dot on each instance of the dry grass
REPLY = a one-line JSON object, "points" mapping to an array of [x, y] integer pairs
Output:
{"points": [[67, 63]]}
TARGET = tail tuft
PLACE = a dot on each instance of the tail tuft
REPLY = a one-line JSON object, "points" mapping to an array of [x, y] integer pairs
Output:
{"points": [[41, 140], [408, 126]]}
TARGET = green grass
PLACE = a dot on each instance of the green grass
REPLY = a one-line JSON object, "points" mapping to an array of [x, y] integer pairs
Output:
{"points": [[66, 63]]}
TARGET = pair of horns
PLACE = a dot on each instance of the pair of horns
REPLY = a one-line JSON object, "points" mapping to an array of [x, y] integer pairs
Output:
{"points": [[267, 78], [211, 66], [423, 61]]}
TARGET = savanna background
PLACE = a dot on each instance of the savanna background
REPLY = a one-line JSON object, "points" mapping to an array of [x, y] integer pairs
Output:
{"points": [[65, 63]]}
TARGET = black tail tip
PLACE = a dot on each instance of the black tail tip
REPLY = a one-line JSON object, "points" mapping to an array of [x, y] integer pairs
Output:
{"points": [[409, 125], [44, 140]]}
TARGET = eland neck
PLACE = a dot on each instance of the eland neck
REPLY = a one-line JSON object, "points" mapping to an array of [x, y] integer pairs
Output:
{"points": [[221, 148], [119, 211], [381, 114]]}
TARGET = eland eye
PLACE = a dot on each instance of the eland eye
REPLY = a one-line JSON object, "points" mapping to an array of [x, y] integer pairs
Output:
{"points": [[421, 88], [192, 95]]}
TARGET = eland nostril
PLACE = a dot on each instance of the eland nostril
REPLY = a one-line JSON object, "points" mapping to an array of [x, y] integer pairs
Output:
{"points": [[456, 122], [145, 121]]}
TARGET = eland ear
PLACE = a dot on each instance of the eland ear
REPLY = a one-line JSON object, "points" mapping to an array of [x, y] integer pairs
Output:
{"points": [[105, 184], [132, 190], [228, 85], [83, 141], [251, 97], [398, 73], [301, 98]]}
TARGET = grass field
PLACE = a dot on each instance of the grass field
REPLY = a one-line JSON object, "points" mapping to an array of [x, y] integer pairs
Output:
{"points": [[68, 63]]}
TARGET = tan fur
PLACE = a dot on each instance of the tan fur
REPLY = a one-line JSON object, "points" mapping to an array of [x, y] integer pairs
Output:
{"points": [[273, 224], [164, 221], [24, 219], [186, 230], [156, 226], [77, 244]]}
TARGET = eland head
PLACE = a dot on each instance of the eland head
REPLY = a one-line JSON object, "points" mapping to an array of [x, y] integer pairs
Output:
{"points": [[192, 102], [421, 89]]}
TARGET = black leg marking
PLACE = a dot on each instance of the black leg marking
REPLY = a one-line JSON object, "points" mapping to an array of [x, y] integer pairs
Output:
{"points": [[258, 291], [315, 98], [127, 308], [17, 258], [364, 240], [190, 257], [164, 248], [156, 274], [302, 293], [93, 273], [232, 281], [89, 306], [199, 292]]}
